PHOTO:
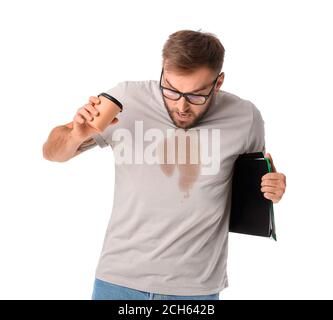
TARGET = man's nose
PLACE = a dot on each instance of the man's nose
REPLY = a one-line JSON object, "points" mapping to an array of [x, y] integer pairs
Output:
{"points": [[183, 105]]}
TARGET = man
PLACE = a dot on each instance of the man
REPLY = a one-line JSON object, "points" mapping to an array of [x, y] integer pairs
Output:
{"points": [[175, 144]]}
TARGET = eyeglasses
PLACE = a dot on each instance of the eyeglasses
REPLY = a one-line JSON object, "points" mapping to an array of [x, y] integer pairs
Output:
{"points": [[190, 97]]}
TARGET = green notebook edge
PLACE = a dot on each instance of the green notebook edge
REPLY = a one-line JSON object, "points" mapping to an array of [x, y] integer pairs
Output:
{"points": [[271, 209]]}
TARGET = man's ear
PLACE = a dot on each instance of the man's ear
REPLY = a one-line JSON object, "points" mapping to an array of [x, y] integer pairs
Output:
{"points": [[219, 82]]}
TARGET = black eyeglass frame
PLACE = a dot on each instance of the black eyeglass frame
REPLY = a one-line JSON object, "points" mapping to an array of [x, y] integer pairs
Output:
{"points": [[185, 94]]}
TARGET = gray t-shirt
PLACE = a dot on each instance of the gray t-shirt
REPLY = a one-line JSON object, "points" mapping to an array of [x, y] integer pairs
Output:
{"points": [[168, 231]]}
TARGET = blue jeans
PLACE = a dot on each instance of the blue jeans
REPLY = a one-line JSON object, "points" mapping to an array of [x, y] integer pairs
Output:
{"points": [[109, 291]]}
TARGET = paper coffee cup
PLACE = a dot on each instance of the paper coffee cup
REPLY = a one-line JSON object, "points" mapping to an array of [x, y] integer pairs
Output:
{"points": [[108, 109]]}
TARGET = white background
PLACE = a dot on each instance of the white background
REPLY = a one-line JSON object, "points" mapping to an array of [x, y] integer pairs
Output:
{"points": [[55, 54]]}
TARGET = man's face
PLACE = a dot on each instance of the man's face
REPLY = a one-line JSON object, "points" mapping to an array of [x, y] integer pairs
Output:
{"points": [[184, 114]]}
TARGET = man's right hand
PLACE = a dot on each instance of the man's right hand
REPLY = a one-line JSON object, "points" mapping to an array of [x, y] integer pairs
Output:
{"points": [[81, 130]]}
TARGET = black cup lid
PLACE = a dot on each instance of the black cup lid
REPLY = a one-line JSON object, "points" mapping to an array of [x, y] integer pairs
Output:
{"points": [[106, 95]]}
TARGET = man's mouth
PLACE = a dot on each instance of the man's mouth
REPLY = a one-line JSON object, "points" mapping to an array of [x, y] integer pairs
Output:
{"points": [[183, 116]]}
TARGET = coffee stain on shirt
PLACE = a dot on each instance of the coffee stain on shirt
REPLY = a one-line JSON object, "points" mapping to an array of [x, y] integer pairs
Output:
{"points": [[184, 155]]}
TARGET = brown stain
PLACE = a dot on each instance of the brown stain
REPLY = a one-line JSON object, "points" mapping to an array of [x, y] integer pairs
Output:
{"points": [[188, 172], [167, 169]]}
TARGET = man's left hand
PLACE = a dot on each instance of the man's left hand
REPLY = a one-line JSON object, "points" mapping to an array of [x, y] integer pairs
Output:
{"points": [[273, 184]]}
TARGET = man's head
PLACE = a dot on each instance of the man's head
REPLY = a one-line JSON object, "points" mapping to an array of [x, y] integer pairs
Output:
{"points": [[192, 62]]}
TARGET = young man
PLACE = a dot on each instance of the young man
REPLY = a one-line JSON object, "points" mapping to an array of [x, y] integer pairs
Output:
{"points": [[175, 144]]}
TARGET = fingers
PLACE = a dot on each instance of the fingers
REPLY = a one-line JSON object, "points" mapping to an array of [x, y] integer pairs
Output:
{"points": [[91, 109], [94, 100], [268, 189], [274, 197], [79, 119], [114, 121], [86, 113], [271, 183], [272, 190], [271, 196], [274, 176]]}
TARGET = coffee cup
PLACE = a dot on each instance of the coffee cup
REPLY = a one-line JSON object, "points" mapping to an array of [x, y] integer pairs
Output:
{"points": [[108, 109]]}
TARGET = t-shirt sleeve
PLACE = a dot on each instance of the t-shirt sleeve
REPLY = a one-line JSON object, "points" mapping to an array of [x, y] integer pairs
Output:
{"points": [[103, 138], [256, 136]]}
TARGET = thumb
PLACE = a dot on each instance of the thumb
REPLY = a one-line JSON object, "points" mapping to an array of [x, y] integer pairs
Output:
{"points": [[268, 155], [114, 121]]}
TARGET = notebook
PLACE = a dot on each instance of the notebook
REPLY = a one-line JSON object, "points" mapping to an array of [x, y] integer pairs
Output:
{"points": [[251, 213]]}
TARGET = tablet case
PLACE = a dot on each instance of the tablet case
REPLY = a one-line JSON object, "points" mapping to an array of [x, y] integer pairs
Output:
{"points": [[251, 213]]}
